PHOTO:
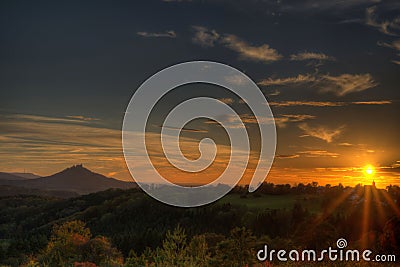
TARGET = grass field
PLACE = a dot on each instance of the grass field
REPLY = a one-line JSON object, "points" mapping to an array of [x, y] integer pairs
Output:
{"points": [[312, 203]]}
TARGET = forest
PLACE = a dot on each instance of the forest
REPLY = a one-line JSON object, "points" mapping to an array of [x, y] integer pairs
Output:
{"points": [[125, 227]]}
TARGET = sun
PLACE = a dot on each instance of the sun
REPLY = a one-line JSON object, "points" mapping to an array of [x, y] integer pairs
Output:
{"points": [[369, 170]]}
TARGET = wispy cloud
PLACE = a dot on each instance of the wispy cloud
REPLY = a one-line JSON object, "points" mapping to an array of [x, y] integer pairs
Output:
{"points": [[327, 103], [82, 118], [227, 100], [249, 119], [321, 132], [189, 130], [37, 118], [378, 102], [274, 93], [298, 117], [388, 27], [282, 120], [289, 156], [306, 103], [204, 36], [311, 56], [319, 153], [262, 53], [299, 79], [347, 83], [345, 144], [393, 45], [236, 80], [167, 34], [340, 85]]}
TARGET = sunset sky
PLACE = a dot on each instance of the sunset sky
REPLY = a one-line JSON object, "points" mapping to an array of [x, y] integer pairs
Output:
{"points": [[330, 71]]}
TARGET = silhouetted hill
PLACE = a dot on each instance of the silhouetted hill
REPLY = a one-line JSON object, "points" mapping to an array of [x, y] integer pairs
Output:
{"points": [[76, 178]]}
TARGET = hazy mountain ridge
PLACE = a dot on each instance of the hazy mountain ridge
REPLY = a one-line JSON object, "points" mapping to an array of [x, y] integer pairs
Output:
{"points": [[75, 179], [26, 175], [5, 176]]}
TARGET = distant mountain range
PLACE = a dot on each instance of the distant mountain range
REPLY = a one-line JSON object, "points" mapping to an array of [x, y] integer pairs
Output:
{"points": [[26, 175], [76, 179], [13, 176]]}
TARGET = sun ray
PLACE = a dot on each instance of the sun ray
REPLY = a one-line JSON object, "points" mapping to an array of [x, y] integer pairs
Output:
{"points": [[333, 205], [366, 217], [378, 204], [391, 203]]}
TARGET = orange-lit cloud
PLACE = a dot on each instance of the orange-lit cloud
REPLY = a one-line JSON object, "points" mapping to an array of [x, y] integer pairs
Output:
{"points": [[347, 83], [327, 103], [299, 79], [310, 56], [321, 132], [340, 85], [262, 53], [318, 153], [208, 38], [388, 27], [227, 100], [248, 120], [204, 36], [82, 118]]}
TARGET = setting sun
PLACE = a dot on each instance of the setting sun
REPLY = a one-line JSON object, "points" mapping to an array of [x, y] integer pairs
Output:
{"points": [[369, 170]]}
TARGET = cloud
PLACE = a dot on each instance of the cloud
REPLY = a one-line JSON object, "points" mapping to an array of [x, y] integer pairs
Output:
{"points": [[263, 53], [327, 103], [238, 80], [310, 56], [321, 132], [188, 130], [231, 121], [378, 102], [82, 118], [284, 119], [306, 103], [345, 144], [388, 27], [347, 83], [291, 156], [318, 153], [167, 34], [394, 45], [274, 93], [68, 119], [299, 79], [208, 38], [204, 36], [227, 100], [340, 85], [298, 117]]}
